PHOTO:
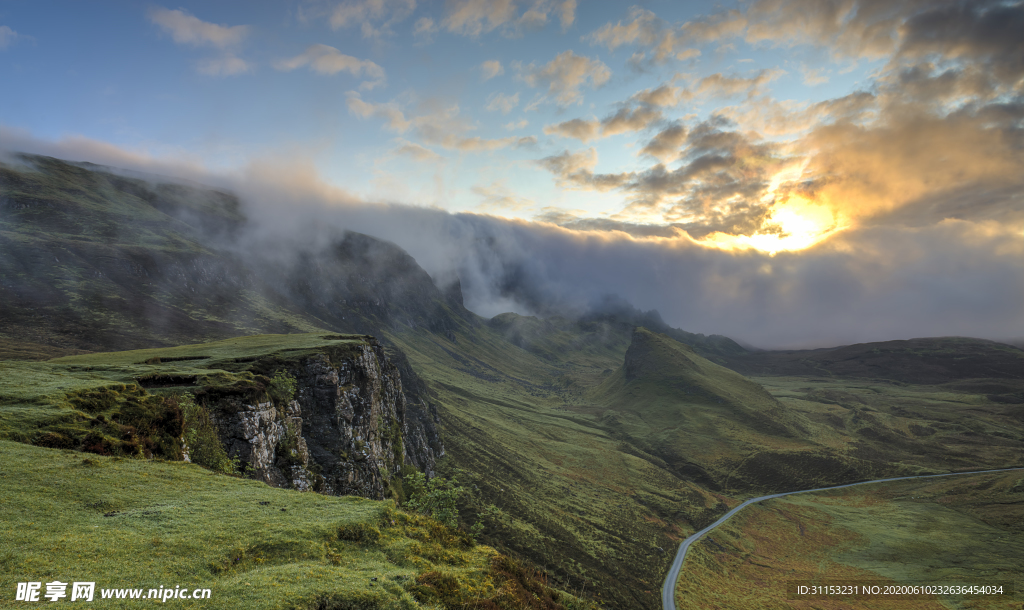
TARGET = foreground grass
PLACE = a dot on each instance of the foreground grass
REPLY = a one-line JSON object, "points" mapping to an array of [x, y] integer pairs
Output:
{"points": [[126, 523], [958, 530]]}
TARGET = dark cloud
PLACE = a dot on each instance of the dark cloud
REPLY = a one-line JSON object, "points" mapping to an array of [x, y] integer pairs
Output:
{"points": [[667, 144], [717, 188], [981, 32]]}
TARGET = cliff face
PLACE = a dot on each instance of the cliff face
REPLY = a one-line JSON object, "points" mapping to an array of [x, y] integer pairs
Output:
{"points": [[346, 432]]}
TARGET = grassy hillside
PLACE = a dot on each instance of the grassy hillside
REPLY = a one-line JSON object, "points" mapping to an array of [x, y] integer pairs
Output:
{"points": [[926, 361], [137, 524], [569, 494], [94, 260], [957, 530], [960, 425], [585, 447], [577, 439], [61, 402]]}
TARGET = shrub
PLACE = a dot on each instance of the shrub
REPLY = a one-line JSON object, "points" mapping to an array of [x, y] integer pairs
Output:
{"points": [[435, 498], [204, 446], [282, 387]]}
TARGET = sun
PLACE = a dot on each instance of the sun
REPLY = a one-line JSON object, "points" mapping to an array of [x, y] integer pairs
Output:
{"points": [[795, 221]]}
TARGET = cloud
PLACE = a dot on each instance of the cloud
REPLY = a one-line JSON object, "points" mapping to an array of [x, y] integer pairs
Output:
{"points": [[374, 18], [857, 29], [566, 163], [565, 75], [855, 164], [582, 130], [664, 95], [475, 17], [665, 41], [491, 68], [644, 28], [567, 13], [439, 126], [7, 37], [626, 119], [880, 281], [629, 119], [983, 33], [323, 59], [667, 145], [516, 125], [719, 187], [848, 29], [719, 85], [189, 30], [228, 65], [813, 77], [498, 197], [502, 102], [714, 27], [417, 152], [390, 113], [424, 27], [186, 29], [576, 170]]}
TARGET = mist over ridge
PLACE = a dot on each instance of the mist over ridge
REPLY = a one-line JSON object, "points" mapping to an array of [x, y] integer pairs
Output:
{"points": [[873, 283]]}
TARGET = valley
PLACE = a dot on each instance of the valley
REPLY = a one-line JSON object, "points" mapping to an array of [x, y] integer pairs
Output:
{"points": [[587, 446]]}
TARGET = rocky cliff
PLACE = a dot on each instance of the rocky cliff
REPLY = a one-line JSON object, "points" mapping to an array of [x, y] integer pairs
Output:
{"points": [[345, 431]]}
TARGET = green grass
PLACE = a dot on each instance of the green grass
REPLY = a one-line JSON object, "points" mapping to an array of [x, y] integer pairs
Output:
{"points": [[917, 427], [571, 495], [578, 458], [127, 523], [68, 396], [957, 530], [574, 458], [592, 474], [177, 524]]}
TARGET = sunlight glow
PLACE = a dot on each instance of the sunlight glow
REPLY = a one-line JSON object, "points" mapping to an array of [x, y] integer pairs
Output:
{"points": [[795, 222]]}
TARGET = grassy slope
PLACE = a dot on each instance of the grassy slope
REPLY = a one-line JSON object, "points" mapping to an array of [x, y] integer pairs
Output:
{"points": [[594, 510], [515, 392], [941, 531], [37, 397], [933, 428], [704, 420], [572, 450], [126, 523], [935, 360], [83, 252]]}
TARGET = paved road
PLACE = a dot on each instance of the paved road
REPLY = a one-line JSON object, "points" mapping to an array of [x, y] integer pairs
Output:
{"points": [[668, 590]]}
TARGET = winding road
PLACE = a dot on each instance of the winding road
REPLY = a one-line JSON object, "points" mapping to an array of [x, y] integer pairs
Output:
{"points": [[668, 598]]}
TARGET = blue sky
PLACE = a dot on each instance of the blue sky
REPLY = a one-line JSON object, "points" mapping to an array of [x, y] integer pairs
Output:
{"points": [[754, 151], [206, 80]]}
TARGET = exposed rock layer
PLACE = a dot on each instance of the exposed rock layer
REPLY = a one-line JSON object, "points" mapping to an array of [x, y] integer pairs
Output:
{"points": [[347, 432]]}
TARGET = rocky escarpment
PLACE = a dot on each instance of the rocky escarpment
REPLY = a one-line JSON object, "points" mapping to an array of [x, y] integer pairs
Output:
{"points": [[345, 431]]}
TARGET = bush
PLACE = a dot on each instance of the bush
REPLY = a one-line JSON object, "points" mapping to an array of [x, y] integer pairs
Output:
{"points": [[282, 388], [435, 498], [204, 446]]}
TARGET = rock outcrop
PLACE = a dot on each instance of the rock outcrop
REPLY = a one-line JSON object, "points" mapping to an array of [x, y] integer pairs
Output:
{"points": [[347, 430]]}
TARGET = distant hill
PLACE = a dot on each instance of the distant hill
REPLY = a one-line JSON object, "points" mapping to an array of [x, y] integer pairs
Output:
{"points": [[704, 420], [92, 260], [920, 361]]}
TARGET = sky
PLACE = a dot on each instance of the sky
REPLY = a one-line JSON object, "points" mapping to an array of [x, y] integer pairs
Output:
{"points": [[790, 173]]}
